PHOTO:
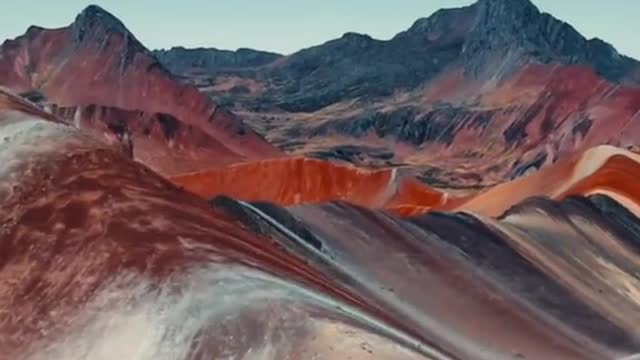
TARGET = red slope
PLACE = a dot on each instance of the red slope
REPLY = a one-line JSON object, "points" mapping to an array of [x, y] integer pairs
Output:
{"points": [[300, 181], [160, 141], [541, 111], [603, 169]]}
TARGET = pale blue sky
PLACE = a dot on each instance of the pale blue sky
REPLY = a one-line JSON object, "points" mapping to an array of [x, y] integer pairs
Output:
{"points": [[289, 25]]}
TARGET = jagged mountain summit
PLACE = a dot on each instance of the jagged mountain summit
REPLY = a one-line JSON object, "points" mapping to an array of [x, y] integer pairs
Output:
{"points": [[517, 29]]}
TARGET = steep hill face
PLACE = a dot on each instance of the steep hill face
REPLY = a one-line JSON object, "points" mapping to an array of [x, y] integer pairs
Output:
{"points": [[160, 141], [468, 96], [296, 181], [97, 61]]}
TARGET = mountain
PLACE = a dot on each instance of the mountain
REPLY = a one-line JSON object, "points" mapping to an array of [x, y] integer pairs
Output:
{"points": [[468, 97], [97, 62], [492, 38]]}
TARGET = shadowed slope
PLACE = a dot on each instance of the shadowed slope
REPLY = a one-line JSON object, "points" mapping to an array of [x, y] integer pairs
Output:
{"points": [[160, 141], [486, 289]]}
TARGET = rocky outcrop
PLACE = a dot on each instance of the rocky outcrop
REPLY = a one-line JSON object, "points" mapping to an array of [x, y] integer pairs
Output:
{"points": [[496, 86]]}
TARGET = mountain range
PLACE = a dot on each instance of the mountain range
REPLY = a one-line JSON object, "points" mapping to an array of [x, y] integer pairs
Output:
{"points": [[496, 89], [467, 190], [464, 99]]}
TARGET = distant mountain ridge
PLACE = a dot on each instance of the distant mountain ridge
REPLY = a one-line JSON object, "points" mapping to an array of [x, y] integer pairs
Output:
{"points": [[181, 60], [491, 38]]}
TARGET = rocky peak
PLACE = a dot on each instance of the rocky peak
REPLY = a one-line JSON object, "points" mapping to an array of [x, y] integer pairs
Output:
{"points": [[94, 27], [445, 26], [94, 20], [508, 24], [442, 20], [484, 13], [351, 43], [356, 39], [508, 33], [506, 12]]}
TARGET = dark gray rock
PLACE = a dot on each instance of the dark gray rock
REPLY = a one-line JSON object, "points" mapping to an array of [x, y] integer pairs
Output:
{"points": [[180, 60], [495, 256], [353, 153], [94, 28], [410, 125], [489, 39], [510, 32]]}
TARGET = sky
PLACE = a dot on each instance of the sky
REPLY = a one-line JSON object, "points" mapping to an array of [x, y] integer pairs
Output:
{"points": [[286, 26]]}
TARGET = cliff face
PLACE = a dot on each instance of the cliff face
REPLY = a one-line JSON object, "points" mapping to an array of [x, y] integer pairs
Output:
{"points": [[97, 61]]}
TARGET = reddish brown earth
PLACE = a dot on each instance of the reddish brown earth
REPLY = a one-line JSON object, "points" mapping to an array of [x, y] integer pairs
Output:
{"points": [[301, 181], [234, 254], [96, 61], [482, 129], [599, 170]]}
